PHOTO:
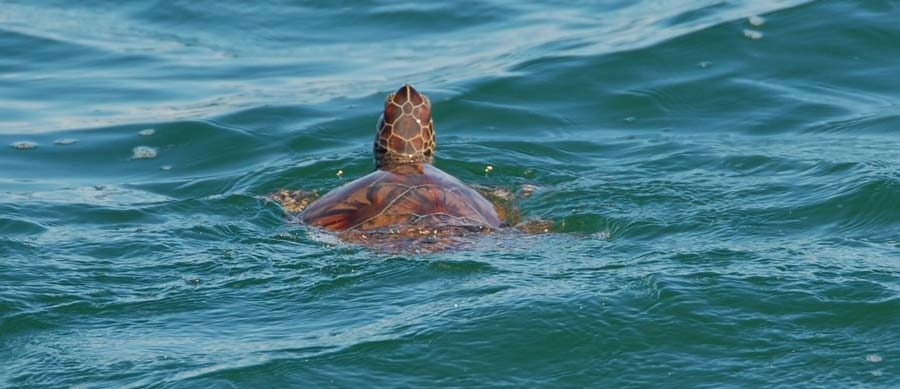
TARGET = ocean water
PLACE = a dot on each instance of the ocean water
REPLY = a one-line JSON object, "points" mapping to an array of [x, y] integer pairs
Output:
{"points": [[724, 178]]}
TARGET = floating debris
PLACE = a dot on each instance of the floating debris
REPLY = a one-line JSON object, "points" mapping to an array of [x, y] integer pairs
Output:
{"points": [[147, 132], [704, 64], [756, 21], [874, 358], [630, 119], [143, 152], [340, 174], [488, 169], [753, 34], [23, 145], [165, 167], [65, 141]]}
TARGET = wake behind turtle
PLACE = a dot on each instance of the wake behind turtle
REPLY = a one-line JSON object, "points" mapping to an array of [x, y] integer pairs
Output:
{"points": [[406, 200]]}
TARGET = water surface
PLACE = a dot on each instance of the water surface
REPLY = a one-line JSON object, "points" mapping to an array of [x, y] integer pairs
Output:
{"points": [[723, 175]]}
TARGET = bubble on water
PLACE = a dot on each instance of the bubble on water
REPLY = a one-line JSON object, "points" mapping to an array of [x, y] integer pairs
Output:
{"points": [[756, 21], [874, 358], [753, 34], [704, 64], [147, 132], [165, 167], [65, 141], [143, 152], [630, 119], [24, 145], [876, 373]]}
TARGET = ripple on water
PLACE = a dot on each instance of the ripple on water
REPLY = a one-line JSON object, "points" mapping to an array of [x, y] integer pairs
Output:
{"points": [[99, 195], [461, 267], [19, 227]]}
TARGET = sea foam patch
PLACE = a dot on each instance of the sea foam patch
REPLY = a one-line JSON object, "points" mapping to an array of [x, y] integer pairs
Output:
{"points": [[23, 145], [143, 152]]}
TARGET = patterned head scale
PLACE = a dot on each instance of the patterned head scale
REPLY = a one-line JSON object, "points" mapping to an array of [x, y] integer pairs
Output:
{"points": [[405, 129]]}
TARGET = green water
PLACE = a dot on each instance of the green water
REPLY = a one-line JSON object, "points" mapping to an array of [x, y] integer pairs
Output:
{"points": [[725, 178]]}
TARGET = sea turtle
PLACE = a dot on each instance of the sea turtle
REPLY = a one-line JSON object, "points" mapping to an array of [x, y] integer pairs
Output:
{"points": [[406, 199]]}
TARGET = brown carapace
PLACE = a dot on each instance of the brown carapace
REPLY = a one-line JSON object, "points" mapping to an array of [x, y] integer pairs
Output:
{"points": [[405, 193]]}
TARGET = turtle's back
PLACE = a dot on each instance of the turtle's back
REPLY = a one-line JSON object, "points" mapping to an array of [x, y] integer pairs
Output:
{"points": [[414, 196]]}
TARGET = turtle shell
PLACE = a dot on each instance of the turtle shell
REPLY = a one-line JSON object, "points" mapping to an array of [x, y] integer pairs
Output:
{"points": [[417, 196]]}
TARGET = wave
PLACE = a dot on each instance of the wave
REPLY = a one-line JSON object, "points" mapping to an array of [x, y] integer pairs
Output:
{"points": [[215, 59]]}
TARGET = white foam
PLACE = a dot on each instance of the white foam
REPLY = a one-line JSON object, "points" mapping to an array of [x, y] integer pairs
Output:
{"points": [[321, 236], [756, 21], [753, 34], [143, 152], [65, 141], [24, 144]]}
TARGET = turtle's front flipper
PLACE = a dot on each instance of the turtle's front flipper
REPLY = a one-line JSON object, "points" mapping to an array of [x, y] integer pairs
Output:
{"points": [[293, 201], [504, 201], [535, 226], [507, 205]]}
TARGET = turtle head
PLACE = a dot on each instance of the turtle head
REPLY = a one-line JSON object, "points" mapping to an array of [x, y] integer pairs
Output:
{"points": [[405, 130]]}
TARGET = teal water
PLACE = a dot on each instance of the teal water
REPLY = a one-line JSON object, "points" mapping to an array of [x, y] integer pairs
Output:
{"points": [[725, 178]]}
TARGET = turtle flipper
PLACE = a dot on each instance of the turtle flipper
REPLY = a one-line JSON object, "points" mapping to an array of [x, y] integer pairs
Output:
{"points": [[504, 201], [535, 226], [507, 204], [293, 201]]}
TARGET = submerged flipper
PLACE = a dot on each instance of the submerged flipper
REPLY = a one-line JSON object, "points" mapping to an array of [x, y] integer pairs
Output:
{"points": [[293, 201]]}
